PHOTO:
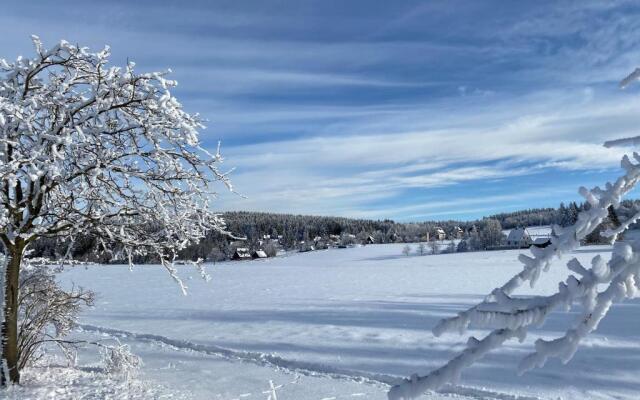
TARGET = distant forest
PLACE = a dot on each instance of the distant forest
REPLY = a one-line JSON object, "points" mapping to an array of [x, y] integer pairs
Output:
{"points": [[275, 232]]}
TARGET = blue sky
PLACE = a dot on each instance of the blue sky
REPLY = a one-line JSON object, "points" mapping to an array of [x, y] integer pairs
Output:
{"points": [[404, 110]]}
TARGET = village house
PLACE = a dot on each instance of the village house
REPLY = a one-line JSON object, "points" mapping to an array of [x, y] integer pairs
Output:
{"points": [[305, 246], [320, 243], [241, 253], [439, 234], [519, 238]]}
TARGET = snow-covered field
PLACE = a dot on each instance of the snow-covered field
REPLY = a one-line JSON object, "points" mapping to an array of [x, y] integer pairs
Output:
{"points": [[340, 324]]}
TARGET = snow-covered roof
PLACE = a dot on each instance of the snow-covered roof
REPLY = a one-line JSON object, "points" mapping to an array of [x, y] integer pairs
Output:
{"points": [[243, 252], [544, 231], [518, 234], [541, 231], [260, 254]]}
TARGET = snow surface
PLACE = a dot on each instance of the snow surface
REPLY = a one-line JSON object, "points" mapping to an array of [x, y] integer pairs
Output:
{"points": [[342, 323], [58, 381]]}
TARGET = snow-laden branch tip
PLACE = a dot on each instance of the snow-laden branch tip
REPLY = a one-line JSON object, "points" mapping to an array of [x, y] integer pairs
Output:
{"points": [[624, 142], [510, 317], [634, 76]]}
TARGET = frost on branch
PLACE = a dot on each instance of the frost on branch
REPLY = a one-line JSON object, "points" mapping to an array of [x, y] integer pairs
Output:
{"points": [[595, 288]]}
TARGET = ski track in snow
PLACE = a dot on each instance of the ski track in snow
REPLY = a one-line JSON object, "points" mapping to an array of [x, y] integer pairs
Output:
{"points": [[293, 366]]}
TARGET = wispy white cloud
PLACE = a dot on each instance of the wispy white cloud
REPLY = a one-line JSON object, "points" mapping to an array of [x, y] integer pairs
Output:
{"points": [[343, 173], [358, 109]]}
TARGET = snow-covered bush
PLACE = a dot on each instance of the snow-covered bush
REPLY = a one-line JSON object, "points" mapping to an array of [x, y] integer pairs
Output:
{"points": [[463, 246], [451, 247], [86, 147], [406, 250], [47, 313], [434, 247], [594, 288], [119, 360]]}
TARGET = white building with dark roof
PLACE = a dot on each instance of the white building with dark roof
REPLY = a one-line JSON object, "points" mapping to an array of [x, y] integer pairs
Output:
{"points": [[519, 237]]}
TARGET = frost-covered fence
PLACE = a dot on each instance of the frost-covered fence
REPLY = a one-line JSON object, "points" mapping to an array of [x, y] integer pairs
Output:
{"points": [[510, 317]]}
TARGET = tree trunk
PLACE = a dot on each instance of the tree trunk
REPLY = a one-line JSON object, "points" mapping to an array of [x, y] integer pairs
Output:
{"points": [[10, 327]]}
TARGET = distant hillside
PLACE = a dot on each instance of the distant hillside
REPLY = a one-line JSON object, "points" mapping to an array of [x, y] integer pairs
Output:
{"points": [[273, 232], [564, 215]]}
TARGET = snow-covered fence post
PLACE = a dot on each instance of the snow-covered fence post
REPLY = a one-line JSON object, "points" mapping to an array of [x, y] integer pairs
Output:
{"points": [[89, 148], [510, 317]]}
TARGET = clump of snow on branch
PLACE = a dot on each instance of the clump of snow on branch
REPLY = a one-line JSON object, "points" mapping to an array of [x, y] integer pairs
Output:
{"points": [[89, 148], [595, 288], [632, 77]]}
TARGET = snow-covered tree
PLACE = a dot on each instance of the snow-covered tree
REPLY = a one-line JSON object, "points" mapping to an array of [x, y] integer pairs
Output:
{"points": [[594, 288], [434, 247], [406, 250], [86, 147], [451, 247], [491, 234], [422, 249]]}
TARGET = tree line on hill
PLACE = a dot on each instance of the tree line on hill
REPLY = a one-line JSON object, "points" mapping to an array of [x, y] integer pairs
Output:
{"points": [[273, 232], [564, 215]]}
